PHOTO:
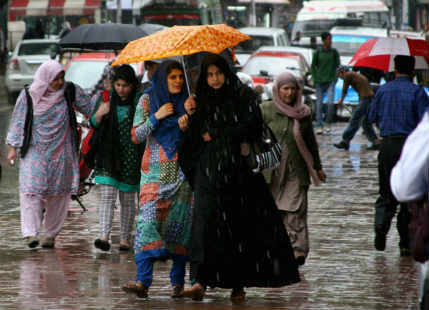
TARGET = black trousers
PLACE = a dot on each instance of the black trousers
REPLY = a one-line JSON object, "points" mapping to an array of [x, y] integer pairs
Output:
{"points": [[386, 204]]}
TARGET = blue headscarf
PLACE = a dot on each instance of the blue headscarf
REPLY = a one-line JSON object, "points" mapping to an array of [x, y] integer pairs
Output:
{"points": [[168, 132]]}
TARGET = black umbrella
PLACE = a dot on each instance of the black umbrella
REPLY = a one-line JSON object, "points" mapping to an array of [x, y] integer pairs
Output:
{"points": [[108, 36], [152, 28]]}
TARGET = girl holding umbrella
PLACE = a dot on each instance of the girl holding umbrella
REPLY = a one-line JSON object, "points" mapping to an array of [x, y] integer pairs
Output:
{"points": [[238, 239]]}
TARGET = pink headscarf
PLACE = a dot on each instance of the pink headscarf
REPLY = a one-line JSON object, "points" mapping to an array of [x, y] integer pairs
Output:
{"points": [[297, 111], [44, 96]]}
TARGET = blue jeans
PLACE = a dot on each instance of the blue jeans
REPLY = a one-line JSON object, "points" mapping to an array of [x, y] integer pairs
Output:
{"points": [[145, 269], [327, 88], [360, 116]]}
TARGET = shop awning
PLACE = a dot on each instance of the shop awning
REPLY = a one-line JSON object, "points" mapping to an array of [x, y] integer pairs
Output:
{"points": [[27, 8], [52, 7], [73, 7]]}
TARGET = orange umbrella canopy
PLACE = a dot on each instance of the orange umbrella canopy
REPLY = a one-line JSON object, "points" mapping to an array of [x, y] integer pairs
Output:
{"points": [[180, 41]]}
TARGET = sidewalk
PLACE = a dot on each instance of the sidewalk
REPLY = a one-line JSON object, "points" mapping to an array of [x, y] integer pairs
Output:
{"points": [[343, 270]]}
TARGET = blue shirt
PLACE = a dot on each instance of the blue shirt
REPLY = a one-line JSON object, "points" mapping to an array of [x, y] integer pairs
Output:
{"points": [[398, 106]]}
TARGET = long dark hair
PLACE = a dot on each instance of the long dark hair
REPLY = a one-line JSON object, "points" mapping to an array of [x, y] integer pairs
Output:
{"points": [[126, 73], [108, 135], [232, 82]]}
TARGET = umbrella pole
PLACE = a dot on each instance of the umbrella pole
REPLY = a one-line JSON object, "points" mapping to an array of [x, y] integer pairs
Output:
{"points": [[186, 75]]}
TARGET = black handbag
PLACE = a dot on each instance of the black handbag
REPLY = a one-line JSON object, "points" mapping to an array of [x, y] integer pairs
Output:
{"points": [[264, 154]]}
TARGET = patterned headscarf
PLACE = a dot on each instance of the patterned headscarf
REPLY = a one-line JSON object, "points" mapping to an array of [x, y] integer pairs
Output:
{"points": [[44, 96]]}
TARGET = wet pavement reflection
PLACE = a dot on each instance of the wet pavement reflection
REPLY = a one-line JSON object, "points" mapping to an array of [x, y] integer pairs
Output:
{"points": [[343, 270]]}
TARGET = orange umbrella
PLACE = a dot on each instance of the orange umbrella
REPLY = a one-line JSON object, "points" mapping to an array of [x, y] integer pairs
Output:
{"points": [[180, 41]]}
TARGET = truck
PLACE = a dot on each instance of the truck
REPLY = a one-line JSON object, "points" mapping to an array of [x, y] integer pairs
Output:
{"points": [[320, 16]]}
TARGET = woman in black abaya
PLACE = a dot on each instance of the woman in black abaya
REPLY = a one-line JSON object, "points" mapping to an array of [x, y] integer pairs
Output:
{"points": [[238, 239]]}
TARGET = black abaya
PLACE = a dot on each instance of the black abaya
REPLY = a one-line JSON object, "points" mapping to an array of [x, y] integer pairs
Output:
{"points": [[238, 238]]}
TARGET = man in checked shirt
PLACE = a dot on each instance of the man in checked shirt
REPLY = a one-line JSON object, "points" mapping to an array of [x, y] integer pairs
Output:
{"points": [[397, 108]]}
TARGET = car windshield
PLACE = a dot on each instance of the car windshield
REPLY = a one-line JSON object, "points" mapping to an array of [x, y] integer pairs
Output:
{"points": [[250, 46], [41, 48], [311, 27], [347, 45], [85, 73], [272, 65]]}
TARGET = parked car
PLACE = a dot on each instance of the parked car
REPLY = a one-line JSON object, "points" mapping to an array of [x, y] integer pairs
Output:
{"points": [[86, 69], [23, 62], [260, 36], [269, 61]]}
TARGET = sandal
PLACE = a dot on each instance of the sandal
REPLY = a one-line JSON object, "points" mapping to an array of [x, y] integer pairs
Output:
{"points": [[136, 288], [102, 244], [177, 291], [196, 292], [238, 295], [48, 243], [31, 241]]}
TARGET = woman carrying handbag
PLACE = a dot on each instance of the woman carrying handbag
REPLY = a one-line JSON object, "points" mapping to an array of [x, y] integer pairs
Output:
{"points": [[233, 208], [290, 119]]}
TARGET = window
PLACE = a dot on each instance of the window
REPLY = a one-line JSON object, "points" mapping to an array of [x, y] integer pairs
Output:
{"points": [[252, 45], [43, 48]]}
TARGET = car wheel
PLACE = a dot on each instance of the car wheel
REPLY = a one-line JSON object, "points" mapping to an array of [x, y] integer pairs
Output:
{"points": [[11, 97]]}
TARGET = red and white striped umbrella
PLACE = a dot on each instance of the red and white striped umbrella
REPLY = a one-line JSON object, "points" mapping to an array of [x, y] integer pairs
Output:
{"points": [[379, 53]]}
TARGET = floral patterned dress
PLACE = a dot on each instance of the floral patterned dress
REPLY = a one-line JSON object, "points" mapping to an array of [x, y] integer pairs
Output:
{"points": [[165, 202], [50, 166]]}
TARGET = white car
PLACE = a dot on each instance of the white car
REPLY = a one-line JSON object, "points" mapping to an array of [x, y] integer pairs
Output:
{"points": [[260, 36], [26, 58]]}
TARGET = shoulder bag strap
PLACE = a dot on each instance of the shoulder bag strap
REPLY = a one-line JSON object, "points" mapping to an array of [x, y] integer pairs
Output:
{"points": [[27, 125], [70, 95]]}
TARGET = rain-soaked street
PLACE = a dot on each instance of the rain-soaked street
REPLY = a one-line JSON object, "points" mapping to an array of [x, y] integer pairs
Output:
{"points": [[343, 270]]}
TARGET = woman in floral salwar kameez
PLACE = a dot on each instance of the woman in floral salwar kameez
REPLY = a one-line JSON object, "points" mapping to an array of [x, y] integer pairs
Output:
{"points": [[164, 217], [49, 171]]}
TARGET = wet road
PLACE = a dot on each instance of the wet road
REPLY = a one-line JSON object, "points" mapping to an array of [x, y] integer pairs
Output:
{"points": [[343, 270]]}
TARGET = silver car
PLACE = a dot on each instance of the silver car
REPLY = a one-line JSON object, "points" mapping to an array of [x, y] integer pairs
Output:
{"points": [[26, 58], [260, 36]]}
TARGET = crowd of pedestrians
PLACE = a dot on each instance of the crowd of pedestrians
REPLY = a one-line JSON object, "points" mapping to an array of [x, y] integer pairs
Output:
{"points": [[178, 162]]}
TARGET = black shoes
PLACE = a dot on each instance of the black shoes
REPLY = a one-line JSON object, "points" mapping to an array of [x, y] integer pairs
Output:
{"points": [[300, 260], [102, 245], [380, 241], [124, 247], [373, 147], [342, 145], [32, 241]]}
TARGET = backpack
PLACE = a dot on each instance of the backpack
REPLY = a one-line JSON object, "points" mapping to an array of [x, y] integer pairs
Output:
{"points": [[70, 95]]}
